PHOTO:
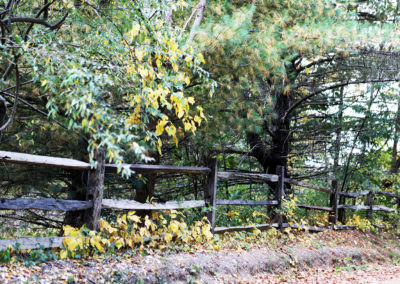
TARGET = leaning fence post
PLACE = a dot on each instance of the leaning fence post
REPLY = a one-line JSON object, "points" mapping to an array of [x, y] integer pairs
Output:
{"points": [[95, 190], [369, 204], [210, 194], [279, 193], [333, 215]]}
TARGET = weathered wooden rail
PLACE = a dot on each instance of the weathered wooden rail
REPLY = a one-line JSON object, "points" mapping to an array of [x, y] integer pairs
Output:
{"points": [[95, 202], [337, 206], [279, 191], [369, 207]]}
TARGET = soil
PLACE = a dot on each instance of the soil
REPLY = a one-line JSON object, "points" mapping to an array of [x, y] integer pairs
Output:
{"points": [[330, 257]]}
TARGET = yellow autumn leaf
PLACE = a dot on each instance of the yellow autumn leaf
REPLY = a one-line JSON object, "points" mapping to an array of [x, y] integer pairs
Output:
{"points": [[105, 241], [168, 238], [197, 119], [130, 243], [187, 80], [95, 242], [104, 225], [160, 128], [119, 243], [84, 122], [70, 243], [175, 139], [188, 58], [180, 112], [171, 130], [68, 230], [216, 247], [159, 145], [158, 63], [143, 232], [134, 31], [200, 109], [160, 125], [134, 218], [147, 222], [201, 57], [174, 227], [187, 125], [139, 53], [63, 254], [191, 100], [143, 72]]}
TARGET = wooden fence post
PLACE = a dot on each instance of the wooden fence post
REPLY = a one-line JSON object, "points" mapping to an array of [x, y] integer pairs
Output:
{"points": [[95, 190], [333, 215], [341, 211], [210, 193], [370, 198], [398, 212], [279, 193]]}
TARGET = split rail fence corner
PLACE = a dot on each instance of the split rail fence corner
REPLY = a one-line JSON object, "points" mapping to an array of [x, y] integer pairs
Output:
{"points": [[94, 197]]}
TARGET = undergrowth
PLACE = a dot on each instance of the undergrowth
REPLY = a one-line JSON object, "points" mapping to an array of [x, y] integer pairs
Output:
{"points": [[164, 233]]}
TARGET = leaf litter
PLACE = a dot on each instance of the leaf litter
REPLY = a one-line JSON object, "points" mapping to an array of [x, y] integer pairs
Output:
{"points": [[329, 257]]}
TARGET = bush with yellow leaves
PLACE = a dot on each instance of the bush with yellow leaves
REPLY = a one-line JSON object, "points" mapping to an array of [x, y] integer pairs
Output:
{"points": [[362, 223], [130, 231], [289, 207]]}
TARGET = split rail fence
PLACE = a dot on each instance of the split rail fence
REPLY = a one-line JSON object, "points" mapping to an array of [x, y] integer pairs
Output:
{"points": [[94, 196]]}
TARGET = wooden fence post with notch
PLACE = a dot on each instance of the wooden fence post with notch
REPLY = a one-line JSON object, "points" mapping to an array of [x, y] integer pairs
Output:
{"points": [[279, 193], [370, 199], [210, 193], [333, 215], [95, 191]]}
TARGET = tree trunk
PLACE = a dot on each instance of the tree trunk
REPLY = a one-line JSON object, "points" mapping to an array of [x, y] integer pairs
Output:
{"points": [[76, 191], [338, 133], [77, 187], [395, 161], [197, 21], [280, 131], [3, 110], [276, 155], [95, 190], [145, 189]]}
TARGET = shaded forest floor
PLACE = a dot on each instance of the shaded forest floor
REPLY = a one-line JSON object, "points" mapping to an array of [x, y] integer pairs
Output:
{"points": [[329, 257]]}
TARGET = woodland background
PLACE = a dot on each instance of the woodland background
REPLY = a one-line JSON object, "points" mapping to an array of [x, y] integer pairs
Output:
{"points": [[309, 85]]}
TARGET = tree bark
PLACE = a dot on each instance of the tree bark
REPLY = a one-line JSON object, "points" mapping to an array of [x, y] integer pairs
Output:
{"points": [[270, 157], [167, 15], [338, 132], [145, 189], [197, 21], [77, 186], [280, 131], [395, 160], [3, 111], [95, 190], [76, 191]]}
